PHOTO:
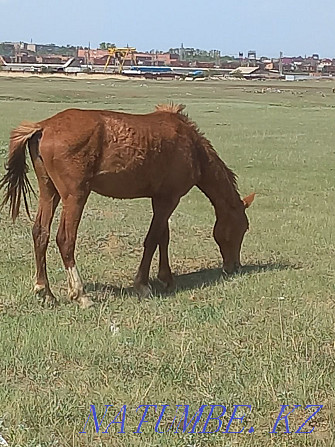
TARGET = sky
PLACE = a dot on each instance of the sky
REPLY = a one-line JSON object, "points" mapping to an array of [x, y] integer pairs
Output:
{"points": [[296, 27]]}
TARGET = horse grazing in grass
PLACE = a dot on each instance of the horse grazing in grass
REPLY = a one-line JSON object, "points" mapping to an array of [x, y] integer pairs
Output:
{"points": [[161, 155]]}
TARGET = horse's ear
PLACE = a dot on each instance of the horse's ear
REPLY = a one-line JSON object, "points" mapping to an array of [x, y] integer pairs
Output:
{"points": [[249, 199]]}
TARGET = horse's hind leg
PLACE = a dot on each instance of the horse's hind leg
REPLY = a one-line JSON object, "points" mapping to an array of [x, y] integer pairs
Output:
{"points": [[66, 238], [48, 201]]}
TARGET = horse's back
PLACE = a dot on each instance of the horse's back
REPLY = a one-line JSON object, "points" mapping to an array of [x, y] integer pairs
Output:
{"points": [[122, 155]]}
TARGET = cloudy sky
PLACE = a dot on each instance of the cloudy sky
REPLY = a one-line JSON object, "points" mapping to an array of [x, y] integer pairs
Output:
{"points": [[296, 27]]}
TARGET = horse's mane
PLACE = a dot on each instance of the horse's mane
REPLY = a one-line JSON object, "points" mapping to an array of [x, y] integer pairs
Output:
{"points": [[178, 109], [171, 107]]}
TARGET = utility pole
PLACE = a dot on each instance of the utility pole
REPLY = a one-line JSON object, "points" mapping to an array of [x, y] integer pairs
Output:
{"points": [[182, 52], [281, 63]]}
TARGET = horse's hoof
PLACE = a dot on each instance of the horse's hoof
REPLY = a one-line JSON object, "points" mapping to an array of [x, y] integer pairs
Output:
{"points": [[73, 295], [143, 290], [225, 274], [169, 286], [77, 296], [85, 302], [50, 301], [39, 289], [46, 296]]}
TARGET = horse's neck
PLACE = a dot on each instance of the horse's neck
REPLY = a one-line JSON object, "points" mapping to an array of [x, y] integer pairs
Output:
{"points": [[218, 183]]}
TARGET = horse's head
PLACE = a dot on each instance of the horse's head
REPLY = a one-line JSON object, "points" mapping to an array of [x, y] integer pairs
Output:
{"points": [[230, 232]]}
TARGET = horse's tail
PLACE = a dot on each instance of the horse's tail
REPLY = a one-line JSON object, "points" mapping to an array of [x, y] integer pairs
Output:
{"points": [[15, 181]]}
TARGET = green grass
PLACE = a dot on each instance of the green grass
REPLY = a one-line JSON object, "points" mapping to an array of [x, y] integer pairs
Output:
{"points": [[264, 338]]}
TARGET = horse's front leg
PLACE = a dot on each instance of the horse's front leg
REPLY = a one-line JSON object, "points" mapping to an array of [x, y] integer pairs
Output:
{"points": [[164, 270], [163, 207]]}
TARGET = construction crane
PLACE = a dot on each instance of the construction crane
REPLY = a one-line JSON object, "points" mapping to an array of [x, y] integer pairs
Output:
{"points": [[120, 55]]}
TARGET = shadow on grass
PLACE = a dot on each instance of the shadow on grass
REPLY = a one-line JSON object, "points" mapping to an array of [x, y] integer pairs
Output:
{"points": [[188, 281]]}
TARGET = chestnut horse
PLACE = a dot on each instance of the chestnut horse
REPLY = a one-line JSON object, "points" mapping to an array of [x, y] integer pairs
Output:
{"points": [[161, 155]]}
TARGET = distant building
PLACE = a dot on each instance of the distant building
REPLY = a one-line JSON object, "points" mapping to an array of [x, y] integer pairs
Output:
{"points": [[186, 57], [252, 55], [297, 77], [245, 72]]}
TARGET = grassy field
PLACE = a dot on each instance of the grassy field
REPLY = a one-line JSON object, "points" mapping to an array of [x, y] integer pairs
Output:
{"points": [[263, 338]]}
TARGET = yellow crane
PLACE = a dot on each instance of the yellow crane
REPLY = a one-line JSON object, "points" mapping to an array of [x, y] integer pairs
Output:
{"points": [[120, 55]]}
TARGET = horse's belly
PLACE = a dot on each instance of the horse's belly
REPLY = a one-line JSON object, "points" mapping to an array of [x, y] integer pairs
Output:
{"points": [[121, 185]]}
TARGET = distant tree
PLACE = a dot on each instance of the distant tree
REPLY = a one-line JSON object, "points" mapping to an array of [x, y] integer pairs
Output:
{"points": [[6, 49], [227, 58], [106, 45]]}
